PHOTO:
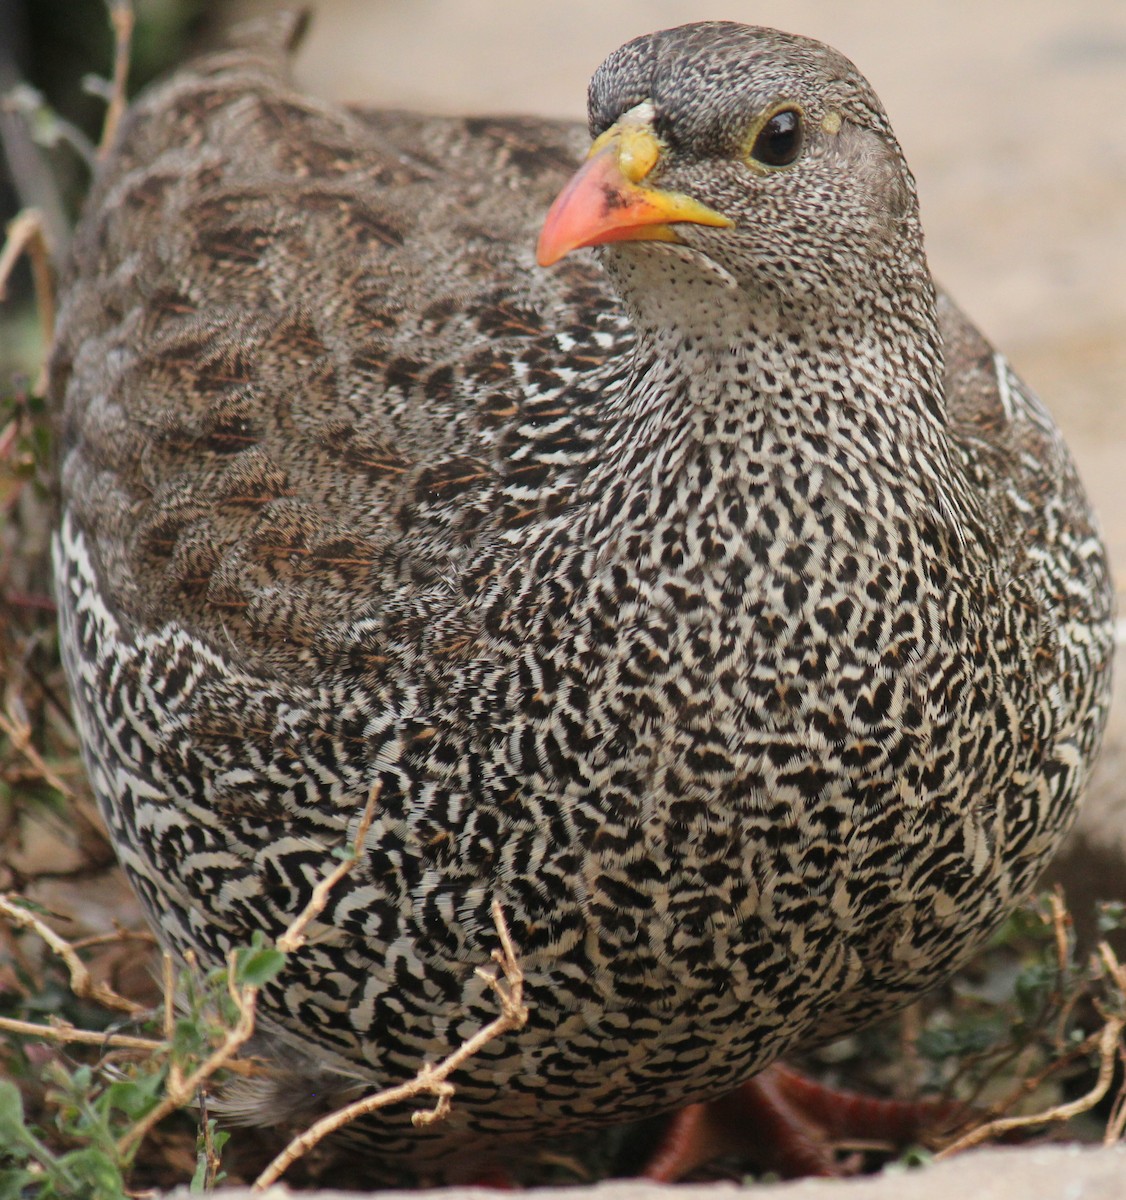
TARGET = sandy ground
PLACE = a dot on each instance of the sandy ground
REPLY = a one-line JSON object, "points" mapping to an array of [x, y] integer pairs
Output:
{"points": [[1011, 116]]}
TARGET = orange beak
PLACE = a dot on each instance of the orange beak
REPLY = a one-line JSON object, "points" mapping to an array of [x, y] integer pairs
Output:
{"points": [[603, 201]]}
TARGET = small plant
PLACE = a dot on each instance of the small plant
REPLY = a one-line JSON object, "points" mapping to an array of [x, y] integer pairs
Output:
{"points": [[101, 1111], [209, 1149]]}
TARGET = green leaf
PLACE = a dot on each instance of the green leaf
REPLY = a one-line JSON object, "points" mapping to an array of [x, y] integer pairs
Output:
{"points": [[1031, 987], [916, 1156], [14, 1182], [94, 1173], [939, 1044], [136, 1097], [187, 1038], [198, 1184], [259, 966], [12, 1129], [1111, 916]]}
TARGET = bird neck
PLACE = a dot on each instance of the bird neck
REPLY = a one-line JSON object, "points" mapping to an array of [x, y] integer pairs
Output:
{"points": [[728, 383], [725, 356]]}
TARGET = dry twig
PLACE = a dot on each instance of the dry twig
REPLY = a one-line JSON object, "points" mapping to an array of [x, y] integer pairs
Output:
{"points": [[180, 1091], [82, 983], [168, 986], [1013, 1060], [294, 937], [245, 1001], [1116, 1123], [1109, 1043], [121, 16], [84, 987], [68, 1034], [1061, 926], [1108, 1047], [118, 936], [431, 1079], [27, 235], [19, 734]]}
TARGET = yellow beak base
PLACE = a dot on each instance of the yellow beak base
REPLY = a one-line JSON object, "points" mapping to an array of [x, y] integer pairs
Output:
{"points": [[604, 202]]}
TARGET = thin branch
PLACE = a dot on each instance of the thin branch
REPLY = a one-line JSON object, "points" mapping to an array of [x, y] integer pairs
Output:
{"points": [[19, 734], [984, 1068], [1066, 999], [1061, 924], [82, 983], [179, 1090], [26, 234], [168, 984], [1116, 1123], [1108, 1046], [294, 936], [246, 999], [121, 15], [68, 1034], [210, 1151], [109, 939], [1108, 1040], [910, 1026], [1026, 1085], [431, 1079]]}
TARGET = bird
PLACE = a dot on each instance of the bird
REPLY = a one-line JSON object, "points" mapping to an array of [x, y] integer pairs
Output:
{"points": [[628, 507]]}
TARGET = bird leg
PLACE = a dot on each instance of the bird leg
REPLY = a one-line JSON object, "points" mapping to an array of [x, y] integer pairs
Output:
{"points": [[789, 1124]]}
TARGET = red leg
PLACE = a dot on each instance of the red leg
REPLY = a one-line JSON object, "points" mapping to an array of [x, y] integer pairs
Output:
{"points": [[845, 1114], [496, 1178], [787, 1123]]}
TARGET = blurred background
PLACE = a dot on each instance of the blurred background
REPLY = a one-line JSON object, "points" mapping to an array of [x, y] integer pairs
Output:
{"points": [[1012, 114]]}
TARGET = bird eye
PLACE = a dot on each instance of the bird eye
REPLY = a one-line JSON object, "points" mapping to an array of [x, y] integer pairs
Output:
{"points": [[779, 141]]}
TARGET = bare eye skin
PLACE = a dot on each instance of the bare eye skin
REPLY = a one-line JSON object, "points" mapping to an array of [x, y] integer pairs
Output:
{"points": [[780, 140]]}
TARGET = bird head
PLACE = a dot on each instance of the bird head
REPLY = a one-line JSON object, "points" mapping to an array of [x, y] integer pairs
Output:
{"points": [[766, 155]]}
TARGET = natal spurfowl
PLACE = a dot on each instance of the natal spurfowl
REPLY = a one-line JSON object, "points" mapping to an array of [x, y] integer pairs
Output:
{"points": [[720, 602]]}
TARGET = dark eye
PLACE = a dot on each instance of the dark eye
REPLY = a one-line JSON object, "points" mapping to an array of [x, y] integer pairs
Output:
{"points": [[780, 139]]}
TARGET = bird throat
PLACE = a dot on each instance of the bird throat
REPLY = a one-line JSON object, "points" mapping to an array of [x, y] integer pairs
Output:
{"points": [[724, 367], [730, 389]]}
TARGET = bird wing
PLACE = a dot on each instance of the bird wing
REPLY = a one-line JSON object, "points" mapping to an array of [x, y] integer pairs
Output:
{"points": [[305, 354]]}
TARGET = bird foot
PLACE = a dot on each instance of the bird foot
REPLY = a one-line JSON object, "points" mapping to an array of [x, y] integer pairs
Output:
{"points": [[789, 1124], [496, 1179]]}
